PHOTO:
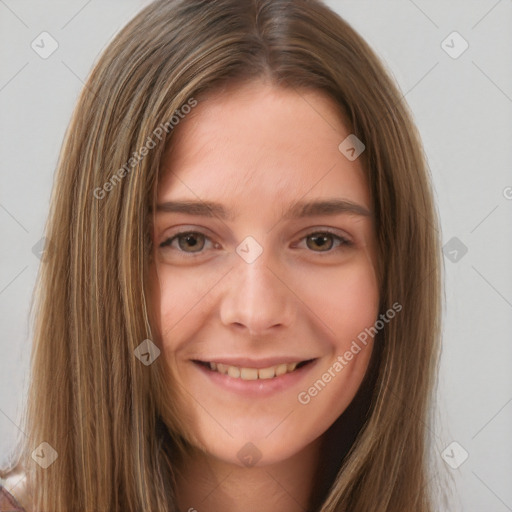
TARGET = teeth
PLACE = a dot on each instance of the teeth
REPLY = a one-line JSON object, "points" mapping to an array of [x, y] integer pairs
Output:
{"points": [[267, 373], [281, 369], [253, 373], [221, 368], [248, 373], [234, 372]]}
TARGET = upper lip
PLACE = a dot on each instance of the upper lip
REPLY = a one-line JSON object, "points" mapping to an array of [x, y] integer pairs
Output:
{"points": [[244, 362]]}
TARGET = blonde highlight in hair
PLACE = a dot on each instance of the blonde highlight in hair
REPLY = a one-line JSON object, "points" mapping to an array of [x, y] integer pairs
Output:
{"points": [[110, 418]]}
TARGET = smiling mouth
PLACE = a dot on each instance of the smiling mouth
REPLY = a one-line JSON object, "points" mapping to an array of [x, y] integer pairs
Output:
{"points": [[238, 372]]}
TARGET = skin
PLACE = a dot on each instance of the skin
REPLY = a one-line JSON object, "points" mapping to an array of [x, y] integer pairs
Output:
{"points": [[258, 149]]}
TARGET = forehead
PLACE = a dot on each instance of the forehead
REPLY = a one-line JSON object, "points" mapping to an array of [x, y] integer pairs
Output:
{"points": [[260, 141]]}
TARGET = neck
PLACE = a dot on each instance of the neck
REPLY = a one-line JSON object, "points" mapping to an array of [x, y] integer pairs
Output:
{"points": [[209, 484], [300, 483]]}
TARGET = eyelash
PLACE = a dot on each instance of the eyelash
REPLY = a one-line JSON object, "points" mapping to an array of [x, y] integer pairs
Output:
{"points": [[344, 242]]}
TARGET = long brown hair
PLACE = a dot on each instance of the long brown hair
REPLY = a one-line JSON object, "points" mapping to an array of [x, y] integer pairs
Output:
{"points": [[89, 397]]}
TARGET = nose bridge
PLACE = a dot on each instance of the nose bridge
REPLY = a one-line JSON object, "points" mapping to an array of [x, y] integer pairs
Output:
{"points": [[256, 297]]}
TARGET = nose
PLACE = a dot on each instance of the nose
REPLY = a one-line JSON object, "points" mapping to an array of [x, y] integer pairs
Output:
{"points": [[257, 298]]}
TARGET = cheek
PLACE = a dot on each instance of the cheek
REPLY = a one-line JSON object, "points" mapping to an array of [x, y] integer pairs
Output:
{"points": [[179, 297], [345, 299], [334, 304]]}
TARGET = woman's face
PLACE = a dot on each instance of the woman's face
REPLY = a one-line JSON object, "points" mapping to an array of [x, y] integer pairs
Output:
{"points": [[257, 286]]}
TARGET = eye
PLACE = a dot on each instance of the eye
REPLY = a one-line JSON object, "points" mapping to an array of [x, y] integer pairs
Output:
{"points": [[325, 241], [193, 240]]}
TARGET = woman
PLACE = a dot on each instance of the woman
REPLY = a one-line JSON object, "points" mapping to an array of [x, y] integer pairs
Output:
{"points": [[239, 308]]}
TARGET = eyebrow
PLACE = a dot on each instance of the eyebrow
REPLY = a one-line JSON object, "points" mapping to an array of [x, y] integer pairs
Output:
{"points": [[300, 209]]}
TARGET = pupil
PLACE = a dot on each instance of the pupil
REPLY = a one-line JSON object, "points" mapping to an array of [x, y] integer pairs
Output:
{"points": [[321, 241], [189, 242]]}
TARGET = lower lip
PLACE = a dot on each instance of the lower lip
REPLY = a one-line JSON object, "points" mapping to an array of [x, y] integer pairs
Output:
{"points": [[258, 387]]}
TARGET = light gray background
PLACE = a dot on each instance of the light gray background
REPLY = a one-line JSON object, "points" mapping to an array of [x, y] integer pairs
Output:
{"points": [[463, 108]]}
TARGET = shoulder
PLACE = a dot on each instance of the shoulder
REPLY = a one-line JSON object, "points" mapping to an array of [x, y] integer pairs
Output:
{"points": [[7, 501], [14, 495]]}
